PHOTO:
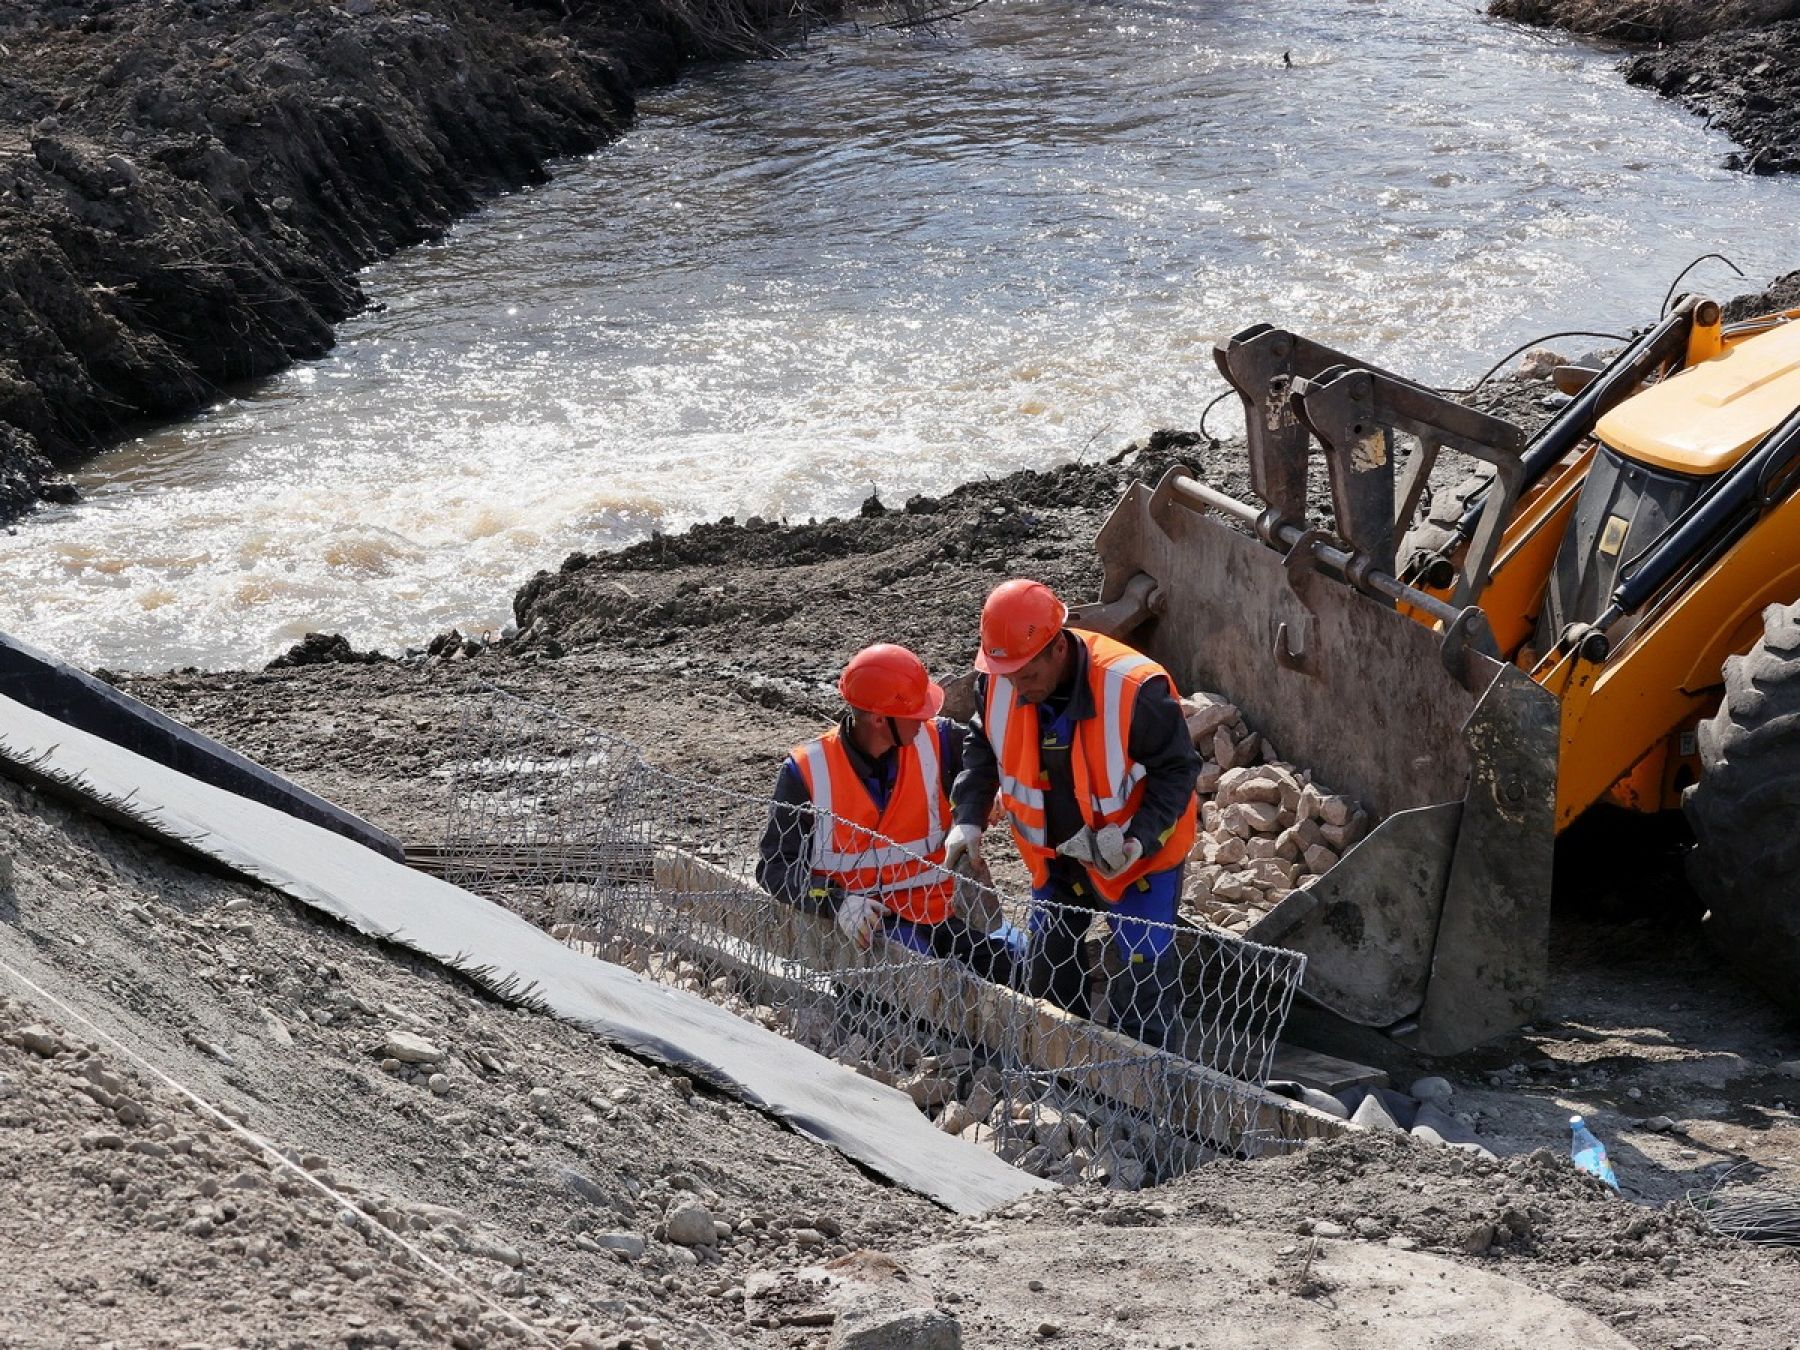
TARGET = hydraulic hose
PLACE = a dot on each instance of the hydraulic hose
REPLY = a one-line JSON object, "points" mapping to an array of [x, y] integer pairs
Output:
{"points": [[1654, 348]]}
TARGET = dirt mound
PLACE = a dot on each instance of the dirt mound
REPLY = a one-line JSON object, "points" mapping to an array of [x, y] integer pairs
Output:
{"points": [[1746, 82], [1646, 20], [796, 600], [543, 1170], [1533, 1217], [323, 649], [1783, 293]]}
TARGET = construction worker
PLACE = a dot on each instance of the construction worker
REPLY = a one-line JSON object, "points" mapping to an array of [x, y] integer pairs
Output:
{"points": [[859, 815], [1085, 743]]}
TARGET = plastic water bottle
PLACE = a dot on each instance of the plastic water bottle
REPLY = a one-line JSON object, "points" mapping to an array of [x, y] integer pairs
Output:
{"points": [[1589, 1153]]}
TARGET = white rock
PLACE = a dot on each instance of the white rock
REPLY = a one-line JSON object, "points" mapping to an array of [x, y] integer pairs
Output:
{"points": [[956, 1118], [629, 1243], [877, 1328], [1204, 715], [1238, 887], [1228, 851], [690, 1224], [1436, 1091], [39, 1040], [1244, 818], [1539, 362], [1275, 872], [1372, 1115], [410, 1049]]}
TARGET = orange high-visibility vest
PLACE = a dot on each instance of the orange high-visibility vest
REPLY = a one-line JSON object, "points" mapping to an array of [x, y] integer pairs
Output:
{"points": [[1109, 784], [895, 856]]}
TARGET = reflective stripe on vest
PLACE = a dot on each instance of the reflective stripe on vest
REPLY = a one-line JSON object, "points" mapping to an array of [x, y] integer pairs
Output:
{"points": [[1024, 801], [894, 853], [1107, 782]]}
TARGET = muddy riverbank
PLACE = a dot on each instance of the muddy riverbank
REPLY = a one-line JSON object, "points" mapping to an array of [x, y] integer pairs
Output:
{"points": [[1737, 64], [188, 187]]}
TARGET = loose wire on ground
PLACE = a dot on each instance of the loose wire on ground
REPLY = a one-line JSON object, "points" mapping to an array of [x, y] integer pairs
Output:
{"points": [[1212, 441], [1759, 1215]]}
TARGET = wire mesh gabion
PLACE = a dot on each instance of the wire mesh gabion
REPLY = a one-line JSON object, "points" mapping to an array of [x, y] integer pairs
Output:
{"points": [[1074, 1043]]}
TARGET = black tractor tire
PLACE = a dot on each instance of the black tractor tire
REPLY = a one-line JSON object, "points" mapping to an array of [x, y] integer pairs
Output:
{"points": [[1745, 811]]}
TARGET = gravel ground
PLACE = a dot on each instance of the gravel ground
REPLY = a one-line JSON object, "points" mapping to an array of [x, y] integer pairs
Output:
{"points": [[542, 1171]]}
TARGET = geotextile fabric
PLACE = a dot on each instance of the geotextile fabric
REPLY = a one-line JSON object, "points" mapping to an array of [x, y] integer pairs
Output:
{"points": [[874, 1124]]}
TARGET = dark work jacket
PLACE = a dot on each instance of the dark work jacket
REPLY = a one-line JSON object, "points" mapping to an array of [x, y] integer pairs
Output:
{"points": [[1159, 741]]}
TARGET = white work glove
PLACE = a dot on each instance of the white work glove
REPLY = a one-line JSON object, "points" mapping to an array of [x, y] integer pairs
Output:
{"points": [[858, 917], [962, 848]]}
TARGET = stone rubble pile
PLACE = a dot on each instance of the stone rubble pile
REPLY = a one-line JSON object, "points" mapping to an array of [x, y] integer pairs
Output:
{"points": [[1266, 828]]}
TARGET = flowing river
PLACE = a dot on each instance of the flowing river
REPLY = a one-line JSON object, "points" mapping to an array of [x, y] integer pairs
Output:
{"points": [[895, 262]]}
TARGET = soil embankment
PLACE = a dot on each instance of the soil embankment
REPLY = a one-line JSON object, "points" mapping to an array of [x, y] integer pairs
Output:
{"points": [[187, 187], [716, 649], [1736, 63]]}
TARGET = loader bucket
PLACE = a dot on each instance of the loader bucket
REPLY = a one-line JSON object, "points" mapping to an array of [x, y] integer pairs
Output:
{"points": [[1434, 927]]}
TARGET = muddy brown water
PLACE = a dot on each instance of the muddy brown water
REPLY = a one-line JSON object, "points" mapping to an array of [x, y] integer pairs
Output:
{"points": [[895, 261]]}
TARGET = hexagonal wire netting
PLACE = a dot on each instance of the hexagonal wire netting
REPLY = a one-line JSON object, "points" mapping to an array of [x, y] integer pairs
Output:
{"points": [[1077, 1044]]}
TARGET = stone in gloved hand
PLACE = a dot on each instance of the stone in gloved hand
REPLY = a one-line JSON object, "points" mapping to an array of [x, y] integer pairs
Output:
{"points": [[1106, 849], [1114, 852], [858, 917], [962, 848]]}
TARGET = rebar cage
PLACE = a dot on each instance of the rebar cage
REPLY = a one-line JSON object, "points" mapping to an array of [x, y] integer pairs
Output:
{"points": [[1082, 1045]]}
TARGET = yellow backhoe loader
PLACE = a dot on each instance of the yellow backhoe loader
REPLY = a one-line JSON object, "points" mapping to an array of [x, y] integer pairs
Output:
{"points": [[1609, 616]]}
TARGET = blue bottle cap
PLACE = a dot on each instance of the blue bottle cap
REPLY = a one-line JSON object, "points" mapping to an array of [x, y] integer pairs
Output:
{"points": [[1574, 1120]]}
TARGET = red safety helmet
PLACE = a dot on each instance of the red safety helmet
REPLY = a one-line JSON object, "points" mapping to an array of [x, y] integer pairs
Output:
{"points": [[890, 681], [1017, 622]]}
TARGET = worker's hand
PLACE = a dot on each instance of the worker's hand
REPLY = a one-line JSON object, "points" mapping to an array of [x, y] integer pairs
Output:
{"points": [[962, 848], [1114, 851], [858, 917]]}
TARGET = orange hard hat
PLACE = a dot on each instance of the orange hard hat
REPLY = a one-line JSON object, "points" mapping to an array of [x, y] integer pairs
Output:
{"points": [[1017, 622], [888, 680]]}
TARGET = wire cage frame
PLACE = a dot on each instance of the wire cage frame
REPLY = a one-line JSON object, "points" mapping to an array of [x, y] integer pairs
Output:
{"points": [[1078, 1043]]}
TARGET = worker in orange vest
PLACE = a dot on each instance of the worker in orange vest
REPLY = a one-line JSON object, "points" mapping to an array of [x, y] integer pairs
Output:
{"points": [[859, 816], [1084, 742]]}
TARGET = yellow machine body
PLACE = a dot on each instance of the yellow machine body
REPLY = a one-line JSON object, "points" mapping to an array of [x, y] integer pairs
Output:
{"points": [[1477, 679], [1627, 722]]}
